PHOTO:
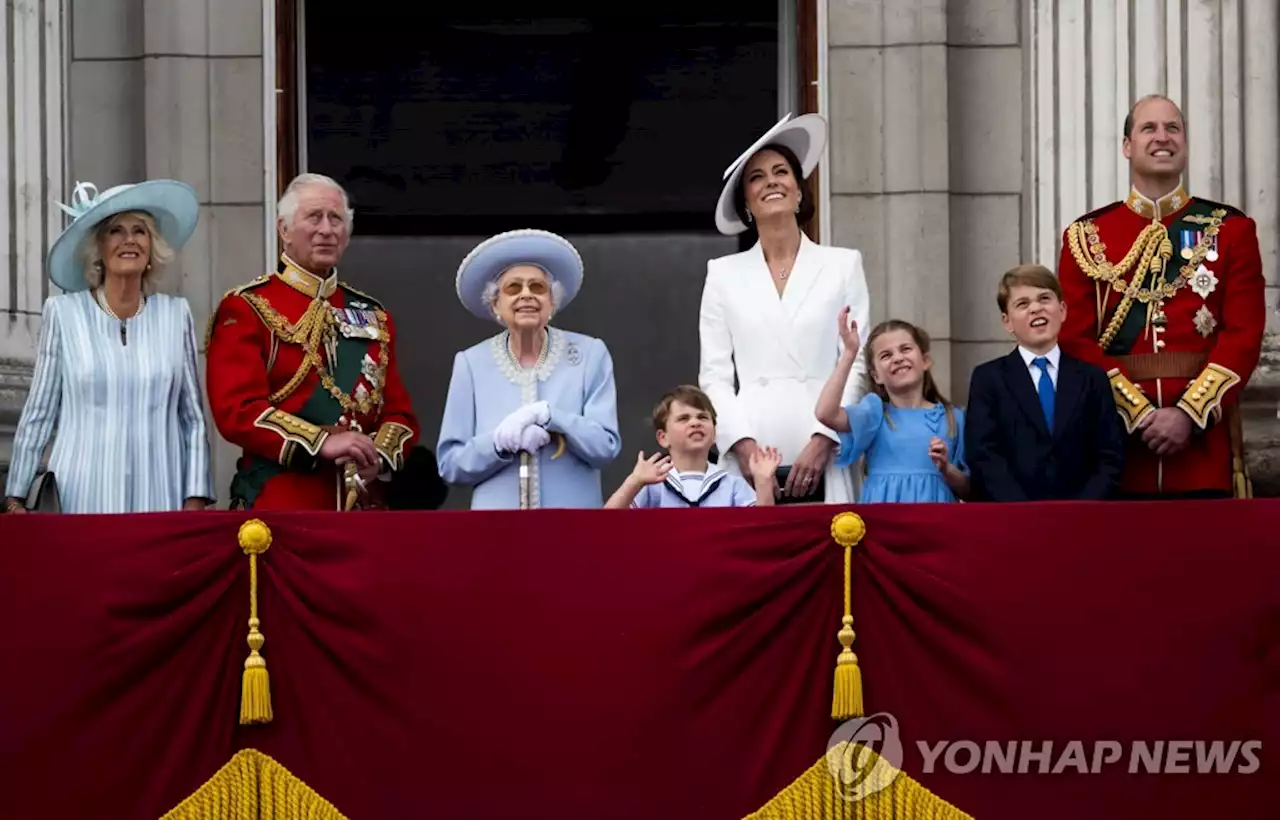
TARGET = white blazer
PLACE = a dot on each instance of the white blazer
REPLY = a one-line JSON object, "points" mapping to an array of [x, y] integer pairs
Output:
{"points": [[782, 349]]}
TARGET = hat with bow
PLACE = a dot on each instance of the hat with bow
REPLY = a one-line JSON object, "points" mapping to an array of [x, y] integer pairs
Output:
{"points": [[172, 204]]}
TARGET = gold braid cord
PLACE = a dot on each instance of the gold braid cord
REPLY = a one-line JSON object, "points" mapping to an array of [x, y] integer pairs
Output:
{"points": [[1152, 250], [253, 786], [847, 529], [309, 332], [831, 790], [255, 689]]}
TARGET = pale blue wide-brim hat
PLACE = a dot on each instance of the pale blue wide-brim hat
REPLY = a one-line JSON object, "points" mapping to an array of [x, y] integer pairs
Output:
{"points": [[172, 204], [554, 254], [805, 135]]}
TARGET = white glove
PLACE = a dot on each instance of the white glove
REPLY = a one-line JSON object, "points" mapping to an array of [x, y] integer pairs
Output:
{"points": [[506, 437], [534, 438]]}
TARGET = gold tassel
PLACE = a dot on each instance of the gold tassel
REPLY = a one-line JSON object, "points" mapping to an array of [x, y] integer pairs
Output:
{"points": [[846, 698], [255, 689]]}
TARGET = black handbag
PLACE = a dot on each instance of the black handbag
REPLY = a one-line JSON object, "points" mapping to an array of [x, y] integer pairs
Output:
{"points": [[816, 495], [42, 497]]}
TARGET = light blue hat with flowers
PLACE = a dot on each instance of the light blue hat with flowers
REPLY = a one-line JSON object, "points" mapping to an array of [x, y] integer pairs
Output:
{"points": [[172, 204], [491, 258]]}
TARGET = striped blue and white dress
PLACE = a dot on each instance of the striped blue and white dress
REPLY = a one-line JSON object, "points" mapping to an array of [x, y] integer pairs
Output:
{"points": [[130, 428]]}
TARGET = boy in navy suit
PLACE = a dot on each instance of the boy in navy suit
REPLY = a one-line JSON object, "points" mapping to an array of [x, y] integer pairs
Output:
{"points": [[1040, 425]]}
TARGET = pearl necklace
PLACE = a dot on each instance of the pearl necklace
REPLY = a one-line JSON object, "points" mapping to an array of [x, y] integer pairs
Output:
{"points": [[101, 295]]}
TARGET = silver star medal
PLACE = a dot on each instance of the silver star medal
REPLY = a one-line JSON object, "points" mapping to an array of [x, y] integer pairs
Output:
{"points": [[368, 367], [1204, 321], [1204, 282]]}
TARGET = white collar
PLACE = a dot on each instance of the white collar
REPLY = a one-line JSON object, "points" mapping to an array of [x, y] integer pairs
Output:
{"points": [[1054, 356]]}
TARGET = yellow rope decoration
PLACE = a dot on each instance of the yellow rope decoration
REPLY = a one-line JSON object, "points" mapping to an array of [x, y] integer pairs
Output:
{"points": [[253, 786], [255, 690], [827, 792], [846, 697]]}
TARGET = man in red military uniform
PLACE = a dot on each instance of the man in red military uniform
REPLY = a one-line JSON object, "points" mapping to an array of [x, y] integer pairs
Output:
{"points": [[302, 371], [1167, 295]]}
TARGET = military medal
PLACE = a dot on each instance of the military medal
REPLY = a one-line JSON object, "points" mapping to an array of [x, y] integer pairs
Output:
{"points": [[1212, 255], [1189, 240], [1204, 321], [1204, 282], [1159, 320]]}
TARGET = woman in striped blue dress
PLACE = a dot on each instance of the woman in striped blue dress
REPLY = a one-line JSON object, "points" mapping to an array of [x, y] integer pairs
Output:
{"points": [[115, 372]]}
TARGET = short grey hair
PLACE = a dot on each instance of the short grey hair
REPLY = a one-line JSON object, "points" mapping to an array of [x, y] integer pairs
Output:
{"points": [[95, 270], [287, 207], [490, 294]]}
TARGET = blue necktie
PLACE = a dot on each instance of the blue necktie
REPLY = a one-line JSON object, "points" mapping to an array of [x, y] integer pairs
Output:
{"points": [[1045, 388]]}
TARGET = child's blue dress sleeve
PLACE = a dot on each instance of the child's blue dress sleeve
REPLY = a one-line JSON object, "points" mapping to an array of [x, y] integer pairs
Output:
{"points": [[957, 449], [865, 419]]}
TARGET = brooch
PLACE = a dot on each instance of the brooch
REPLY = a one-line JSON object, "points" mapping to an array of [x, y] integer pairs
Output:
{"points": [[573, 354]]}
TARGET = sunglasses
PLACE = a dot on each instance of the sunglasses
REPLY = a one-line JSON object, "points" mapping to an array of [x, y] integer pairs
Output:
{"points": [[537, 287]]}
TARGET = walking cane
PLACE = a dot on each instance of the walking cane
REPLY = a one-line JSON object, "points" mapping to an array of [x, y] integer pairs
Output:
{"points": [[525, 461]]}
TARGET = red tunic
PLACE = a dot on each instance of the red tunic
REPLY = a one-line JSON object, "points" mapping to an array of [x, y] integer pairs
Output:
{"points": [[291, 359], [1188, 336]]}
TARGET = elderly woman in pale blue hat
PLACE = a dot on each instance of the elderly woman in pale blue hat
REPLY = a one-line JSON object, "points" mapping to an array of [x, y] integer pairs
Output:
{"points": [[531, 417], [115, 372]]}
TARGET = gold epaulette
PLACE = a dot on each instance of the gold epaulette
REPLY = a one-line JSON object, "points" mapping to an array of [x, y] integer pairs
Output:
{"points": [[1131, 403], [1202, 400], [372, 301], [236, 291]]}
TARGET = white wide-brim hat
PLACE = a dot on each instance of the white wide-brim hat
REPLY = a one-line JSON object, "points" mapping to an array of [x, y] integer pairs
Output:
{"points": [[172, 204], [805, 135], [555, 255]]}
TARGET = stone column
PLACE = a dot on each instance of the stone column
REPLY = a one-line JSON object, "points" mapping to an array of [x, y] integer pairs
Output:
{"points": [[31, 177], [989, 201], [889, 157], [1089, 59], [926, 156]]}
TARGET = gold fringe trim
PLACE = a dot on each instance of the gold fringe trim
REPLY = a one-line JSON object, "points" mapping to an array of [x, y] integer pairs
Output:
{"points": [[848, 530], [255, 688], [253, 786], [828, 791]]}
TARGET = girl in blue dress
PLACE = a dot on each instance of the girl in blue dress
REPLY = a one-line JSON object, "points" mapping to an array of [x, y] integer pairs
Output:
{"points": [[913, 438]]}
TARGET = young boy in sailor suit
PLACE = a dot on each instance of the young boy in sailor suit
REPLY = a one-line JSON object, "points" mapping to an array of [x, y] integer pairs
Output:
{"points": [[685, 422]]}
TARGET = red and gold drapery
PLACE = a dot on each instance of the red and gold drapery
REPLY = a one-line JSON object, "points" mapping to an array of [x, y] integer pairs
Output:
{"points": [[640, 664]]}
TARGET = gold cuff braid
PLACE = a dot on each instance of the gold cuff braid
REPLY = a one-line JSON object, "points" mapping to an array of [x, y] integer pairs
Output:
{"points": [[1131, 403], [1202, 399], [389, 442], [295, 432]]}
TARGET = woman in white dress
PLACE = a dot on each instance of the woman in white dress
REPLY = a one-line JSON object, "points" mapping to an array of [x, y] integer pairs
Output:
{"points": [[768, 317], [116, 372]]}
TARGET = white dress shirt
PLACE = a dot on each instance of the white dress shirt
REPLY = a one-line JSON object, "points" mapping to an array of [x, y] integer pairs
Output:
{"points": [[1054, 356]]}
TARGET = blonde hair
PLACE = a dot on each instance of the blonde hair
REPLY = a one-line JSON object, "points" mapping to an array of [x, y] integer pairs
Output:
{"points": [[161, 253], [931, 391]]}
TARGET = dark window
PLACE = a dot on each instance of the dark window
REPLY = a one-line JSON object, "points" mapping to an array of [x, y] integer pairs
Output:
{"points": [[453, 123]]}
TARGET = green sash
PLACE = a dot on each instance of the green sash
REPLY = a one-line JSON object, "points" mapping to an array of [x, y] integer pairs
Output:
{"points": [[321, 409], [1136, 320]]}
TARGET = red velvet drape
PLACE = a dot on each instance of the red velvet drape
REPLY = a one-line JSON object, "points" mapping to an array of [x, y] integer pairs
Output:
{"points": [[639, 664]]}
